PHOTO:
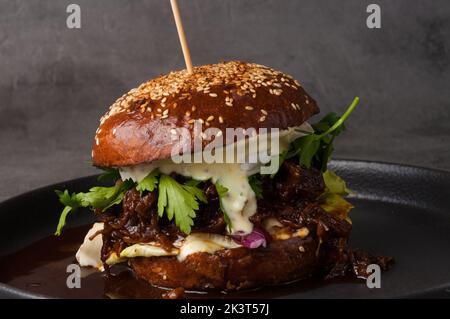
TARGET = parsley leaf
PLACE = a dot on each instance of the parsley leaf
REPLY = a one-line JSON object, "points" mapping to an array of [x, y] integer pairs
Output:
{"points": [[309, 146], [67, 199], [97, 197], [179, 202], [315, 149], [149, 182], [256, 184], [110, 174], [197, 192], [71, 203], [105, 197], [193, 182], [222, 192]]}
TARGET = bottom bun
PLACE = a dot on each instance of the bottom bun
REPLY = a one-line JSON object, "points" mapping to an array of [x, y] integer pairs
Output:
{"points": [[233, 269]]}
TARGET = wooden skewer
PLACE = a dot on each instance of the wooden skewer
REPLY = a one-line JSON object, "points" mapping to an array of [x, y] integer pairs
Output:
{"points": [[182, 36]]}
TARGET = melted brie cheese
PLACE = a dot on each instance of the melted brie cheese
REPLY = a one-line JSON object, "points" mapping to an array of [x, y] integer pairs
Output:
{"points": [[194, 243], [90, 250], [206, 243], [146, 250], [240, 201]]}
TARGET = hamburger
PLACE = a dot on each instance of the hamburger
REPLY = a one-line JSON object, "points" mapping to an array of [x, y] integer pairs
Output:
{"points": [[227, 225]]}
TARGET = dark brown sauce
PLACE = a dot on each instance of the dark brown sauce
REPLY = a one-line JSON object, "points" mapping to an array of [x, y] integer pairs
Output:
{"points": [[41, 269]]}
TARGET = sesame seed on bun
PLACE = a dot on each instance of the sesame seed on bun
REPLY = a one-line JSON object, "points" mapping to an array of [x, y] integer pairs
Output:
{"points": [[137, 127]]}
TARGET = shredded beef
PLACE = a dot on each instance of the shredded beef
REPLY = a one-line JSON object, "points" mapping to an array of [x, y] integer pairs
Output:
{"points": [[290, 197], [293, 182]]}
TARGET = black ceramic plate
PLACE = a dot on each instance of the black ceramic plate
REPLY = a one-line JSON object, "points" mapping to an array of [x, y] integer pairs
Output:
{"points": [[401, 211]]}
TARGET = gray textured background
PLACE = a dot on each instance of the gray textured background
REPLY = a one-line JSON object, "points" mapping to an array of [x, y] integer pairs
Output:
{"points": [[55, 82]]}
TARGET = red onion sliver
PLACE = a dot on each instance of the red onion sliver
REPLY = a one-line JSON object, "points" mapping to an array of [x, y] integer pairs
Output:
{"points": [[253, 240]]}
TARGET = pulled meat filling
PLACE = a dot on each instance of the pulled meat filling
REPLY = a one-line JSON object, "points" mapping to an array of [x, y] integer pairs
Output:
{"points": [[290, 197]]}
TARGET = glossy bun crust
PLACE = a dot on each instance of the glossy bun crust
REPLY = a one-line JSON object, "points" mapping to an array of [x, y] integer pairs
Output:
{"points": [[137, 127], [233, 269]]}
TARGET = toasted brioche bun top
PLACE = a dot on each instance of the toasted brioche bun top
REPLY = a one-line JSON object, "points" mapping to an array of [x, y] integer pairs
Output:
{"points": [[137, 127]]}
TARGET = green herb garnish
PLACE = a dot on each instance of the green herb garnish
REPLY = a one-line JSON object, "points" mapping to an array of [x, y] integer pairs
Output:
{"points": [[314, 150], [149, 183], [110, 174], [179, 201], [256, 184], [97, 197], [176, 200], [222, 192]]}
